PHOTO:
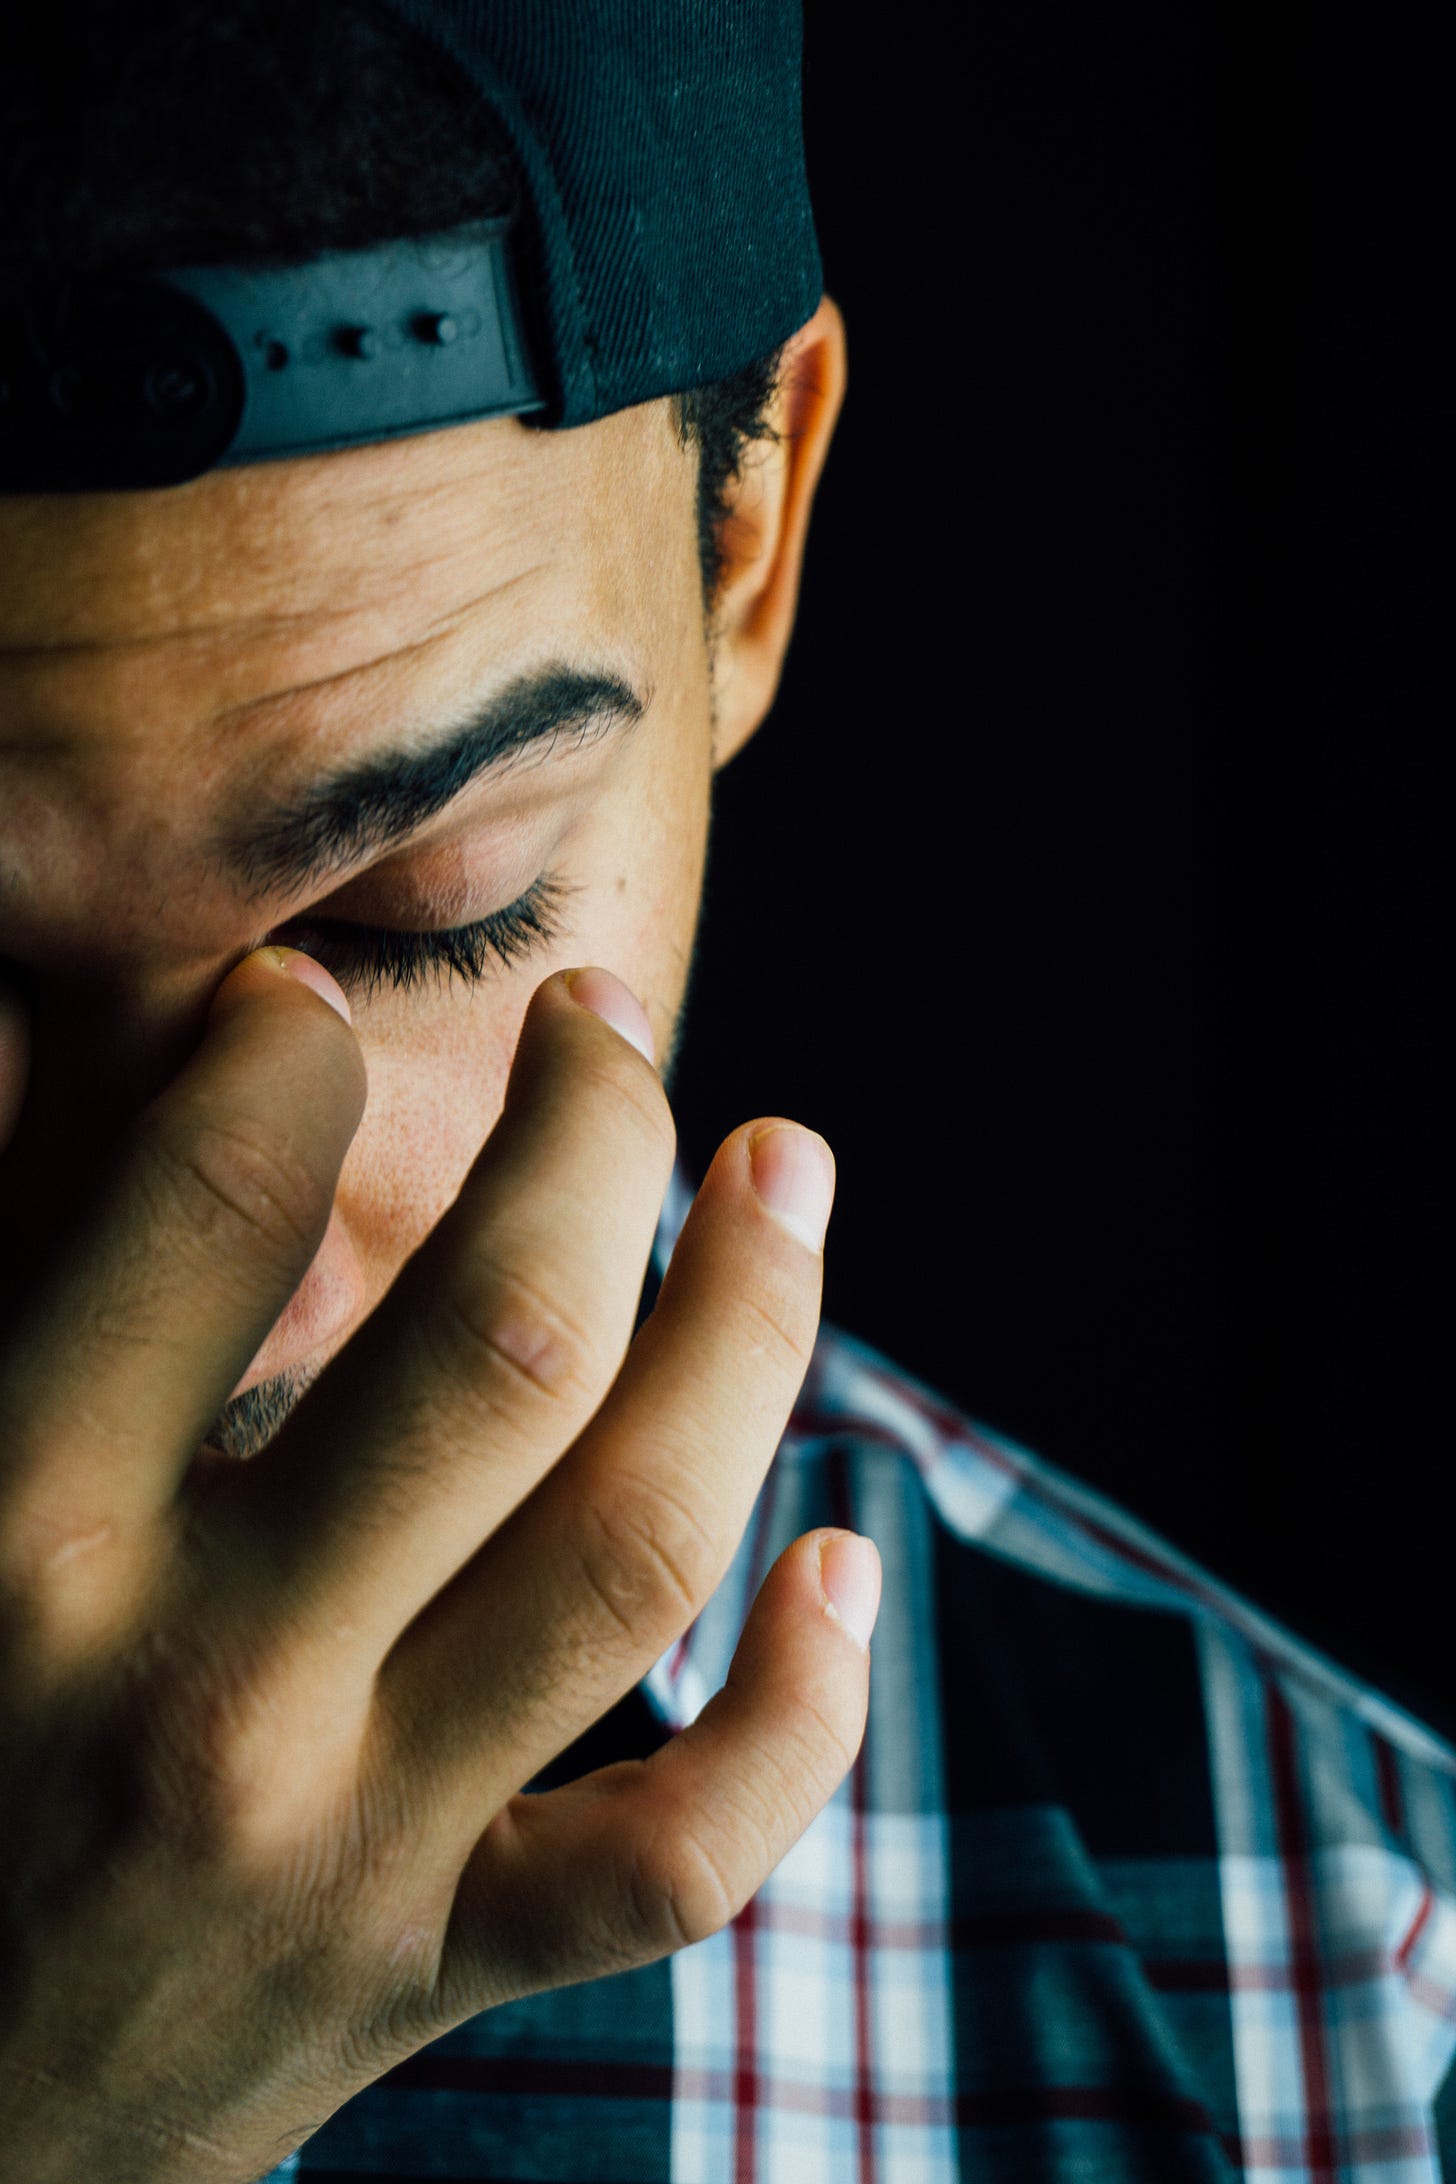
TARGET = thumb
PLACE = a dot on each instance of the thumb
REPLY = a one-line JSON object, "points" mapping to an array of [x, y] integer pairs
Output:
{"points": [[14, 1058]]}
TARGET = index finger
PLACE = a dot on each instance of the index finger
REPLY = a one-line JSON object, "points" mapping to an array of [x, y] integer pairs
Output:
{"points": [[135, 1338]]}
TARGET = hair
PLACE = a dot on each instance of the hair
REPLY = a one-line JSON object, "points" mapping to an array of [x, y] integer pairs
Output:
{"points": [[136, 134]]}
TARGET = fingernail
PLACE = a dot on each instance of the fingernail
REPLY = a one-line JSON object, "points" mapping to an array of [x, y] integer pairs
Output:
{"points": [[310, 973], [605, 995], [850, 1574], [793, 1173]]}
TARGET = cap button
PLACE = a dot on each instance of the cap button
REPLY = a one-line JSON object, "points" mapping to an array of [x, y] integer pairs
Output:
{"points": [[361, 341]]}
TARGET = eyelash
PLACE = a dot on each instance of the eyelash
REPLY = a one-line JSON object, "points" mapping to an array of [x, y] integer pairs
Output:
{"points": [[373, 956]]}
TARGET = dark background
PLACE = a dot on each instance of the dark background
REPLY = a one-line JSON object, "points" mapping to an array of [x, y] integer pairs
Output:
{"points": [[1082, 887]]}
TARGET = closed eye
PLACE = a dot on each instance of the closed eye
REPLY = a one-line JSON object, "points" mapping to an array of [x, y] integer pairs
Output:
{"points": [[365, 958]]}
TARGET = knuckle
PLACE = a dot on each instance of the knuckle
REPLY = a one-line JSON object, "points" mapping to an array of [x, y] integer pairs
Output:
{"points": [[680, 1890], [72, 1584], [781, 1324], [230, 1179], [247, 1774], [207, 1726], [793, 1774], [505, 1326], [647, 1558], [829, 1747], [636, 1094]]}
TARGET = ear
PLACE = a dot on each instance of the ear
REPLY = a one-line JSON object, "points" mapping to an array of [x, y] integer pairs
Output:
{"points": [[765, 529]]}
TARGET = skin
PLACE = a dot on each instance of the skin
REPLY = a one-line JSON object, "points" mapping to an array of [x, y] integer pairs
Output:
{"points": [[166, 658], [265, 1724]]}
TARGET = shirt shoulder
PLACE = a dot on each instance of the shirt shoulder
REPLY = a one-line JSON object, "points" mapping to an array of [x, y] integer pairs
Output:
{"points": [[1079, 1614], [997, 1497]]}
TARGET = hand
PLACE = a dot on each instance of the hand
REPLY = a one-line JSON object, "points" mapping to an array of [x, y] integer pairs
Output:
{"points": [[264, 1726]]}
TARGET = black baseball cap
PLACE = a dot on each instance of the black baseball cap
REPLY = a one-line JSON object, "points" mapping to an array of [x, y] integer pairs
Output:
{"points": [[663, 238]]}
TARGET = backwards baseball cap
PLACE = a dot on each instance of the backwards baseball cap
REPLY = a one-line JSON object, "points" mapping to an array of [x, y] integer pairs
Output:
{"points": [[663, 239]]}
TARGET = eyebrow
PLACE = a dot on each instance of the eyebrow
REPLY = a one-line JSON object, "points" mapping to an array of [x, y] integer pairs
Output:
{"points": [[363, 809]]}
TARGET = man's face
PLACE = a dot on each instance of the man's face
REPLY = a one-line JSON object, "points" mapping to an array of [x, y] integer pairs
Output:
{"points": [[180, 671]]}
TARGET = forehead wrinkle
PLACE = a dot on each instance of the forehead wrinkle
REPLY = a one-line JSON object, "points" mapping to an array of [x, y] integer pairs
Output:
{"points": [[108, 645], [311, 713], [249, 709], [260, 627], [264, 625], [90, 578], [221, 695]]}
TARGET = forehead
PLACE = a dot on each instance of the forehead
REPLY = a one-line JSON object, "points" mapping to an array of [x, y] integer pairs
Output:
{"points": [[162, 654], [319, 565]]}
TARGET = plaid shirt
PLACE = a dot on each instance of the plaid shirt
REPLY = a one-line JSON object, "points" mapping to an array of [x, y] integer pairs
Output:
{"points": [[1126, 1884]]}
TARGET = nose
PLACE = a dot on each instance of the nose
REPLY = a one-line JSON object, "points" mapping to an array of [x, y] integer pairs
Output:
{"points": [[328, 1299]]}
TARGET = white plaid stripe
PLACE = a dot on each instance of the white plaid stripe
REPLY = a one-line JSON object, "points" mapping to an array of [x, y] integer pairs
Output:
{"points": [[703, 2109], [1427, 1961], [778, 2014], [801, 2059], [1362, 2035]]}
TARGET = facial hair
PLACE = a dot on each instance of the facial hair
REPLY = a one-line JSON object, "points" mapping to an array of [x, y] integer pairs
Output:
{"points": [[249, 1422]]}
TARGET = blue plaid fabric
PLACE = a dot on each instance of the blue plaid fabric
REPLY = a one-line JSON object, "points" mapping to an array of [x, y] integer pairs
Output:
{"points": [[1127, 1884]]}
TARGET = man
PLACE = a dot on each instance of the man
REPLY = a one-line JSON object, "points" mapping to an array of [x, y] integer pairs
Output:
{"points": [[434, 1535]]}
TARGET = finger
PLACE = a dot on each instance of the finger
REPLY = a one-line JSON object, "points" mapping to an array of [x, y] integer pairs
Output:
{"points": [[650, 1856], [14, 1059], [134, 1340], [491, 1352], [617, 1550]]}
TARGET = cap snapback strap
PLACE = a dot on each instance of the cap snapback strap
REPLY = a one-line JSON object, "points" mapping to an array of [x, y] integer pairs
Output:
{"points": [[117, 383]]}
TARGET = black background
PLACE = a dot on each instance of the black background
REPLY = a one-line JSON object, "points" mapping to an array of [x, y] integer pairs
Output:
{"points": [[1082, 886]]}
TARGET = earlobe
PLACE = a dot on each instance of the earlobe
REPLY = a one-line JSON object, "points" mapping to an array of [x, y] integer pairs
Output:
{"points": [[767, 527]]}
